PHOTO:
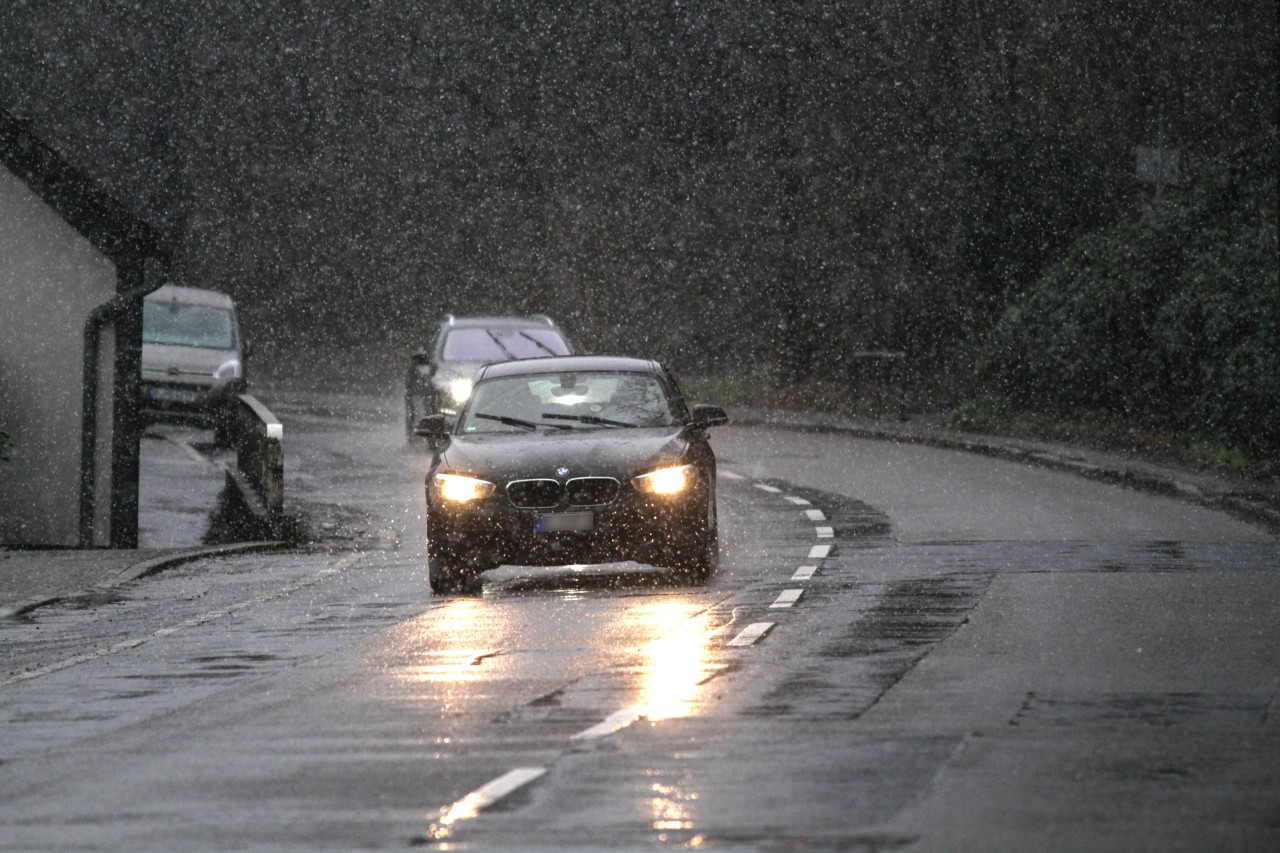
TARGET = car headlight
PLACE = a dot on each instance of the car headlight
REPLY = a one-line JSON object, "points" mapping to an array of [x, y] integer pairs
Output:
{"points": [[665, 481], [461, 489], [460, 389], [232, 369]]}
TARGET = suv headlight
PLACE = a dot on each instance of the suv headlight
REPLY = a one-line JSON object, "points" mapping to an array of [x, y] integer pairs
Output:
{"points": [[232, 369], [665, 481], [461, 489], [460, 389]]}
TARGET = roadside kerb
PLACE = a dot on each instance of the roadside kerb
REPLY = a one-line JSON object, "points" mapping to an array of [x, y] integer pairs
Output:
{"points": [[131, 571], [1208, 489]]}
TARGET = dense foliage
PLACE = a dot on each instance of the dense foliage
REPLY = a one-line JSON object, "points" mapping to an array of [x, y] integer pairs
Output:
{"points": [[721, 184], [1172, 320]]}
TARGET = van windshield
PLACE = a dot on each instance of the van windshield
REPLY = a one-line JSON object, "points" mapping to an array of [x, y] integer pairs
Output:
{"points": [[184, 325]]}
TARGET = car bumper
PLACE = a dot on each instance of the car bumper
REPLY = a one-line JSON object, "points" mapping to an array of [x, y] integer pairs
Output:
{"points": [[632, 527], [186, 401]]}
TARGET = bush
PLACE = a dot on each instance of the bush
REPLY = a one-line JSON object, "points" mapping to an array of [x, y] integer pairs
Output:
{"points": [[1173, 320]]}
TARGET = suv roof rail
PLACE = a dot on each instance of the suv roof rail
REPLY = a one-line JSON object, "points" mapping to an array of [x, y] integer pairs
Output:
{"points": [[448, 319], [544, 318]]}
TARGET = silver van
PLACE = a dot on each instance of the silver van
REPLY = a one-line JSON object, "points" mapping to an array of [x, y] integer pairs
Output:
{"points": [[192, 357]]}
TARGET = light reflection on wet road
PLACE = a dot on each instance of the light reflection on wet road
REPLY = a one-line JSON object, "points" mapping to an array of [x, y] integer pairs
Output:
{"points": [[326, 700]]}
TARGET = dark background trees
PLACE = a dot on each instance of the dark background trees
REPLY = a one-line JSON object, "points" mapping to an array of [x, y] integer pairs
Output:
{"points": [[718, 184]]}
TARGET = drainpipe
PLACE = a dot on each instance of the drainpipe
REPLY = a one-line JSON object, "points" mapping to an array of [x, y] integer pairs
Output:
{"points": [[97, 318]]}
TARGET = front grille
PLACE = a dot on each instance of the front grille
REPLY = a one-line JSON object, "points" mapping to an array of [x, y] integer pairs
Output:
{"points": [[591, 491], [534, 494]]}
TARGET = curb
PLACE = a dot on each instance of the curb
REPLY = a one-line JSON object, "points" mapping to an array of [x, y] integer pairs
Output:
{"points": [[143, 569], [1154, 479]]}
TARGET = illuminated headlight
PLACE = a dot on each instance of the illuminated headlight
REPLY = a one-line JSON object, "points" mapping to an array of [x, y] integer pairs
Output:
{"points": [[460, 389], [232, 369], [665, 481], [460, 489]]}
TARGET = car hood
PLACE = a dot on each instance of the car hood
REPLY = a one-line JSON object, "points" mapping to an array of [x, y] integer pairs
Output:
{"points": [[166, 361], [589, 452]]}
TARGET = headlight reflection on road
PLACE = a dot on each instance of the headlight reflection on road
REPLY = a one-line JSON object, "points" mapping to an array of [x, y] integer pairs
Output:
{"points": [[672, 815], [460, 660], [675, 664]]}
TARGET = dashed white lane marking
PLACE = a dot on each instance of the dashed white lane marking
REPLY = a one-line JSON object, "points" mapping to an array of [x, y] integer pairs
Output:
{"points": [[804, 573], [824, 532], [193, 622], [818, 552], [815, 515], [765, 487], [729, 475], [488, 794], [787, 598], [751, 633], [797, 501], [617, 721]]}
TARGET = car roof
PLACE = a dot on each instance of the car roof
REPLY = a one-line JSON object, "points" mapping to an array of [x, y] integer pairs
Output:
{"points": [[190, 296], [539, 321], [570, 364]]}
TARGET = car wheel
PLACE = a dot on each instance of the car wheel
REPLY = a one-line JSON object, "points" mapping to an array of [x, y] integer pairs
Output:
{"points": [[447, 572], [696, 550]]}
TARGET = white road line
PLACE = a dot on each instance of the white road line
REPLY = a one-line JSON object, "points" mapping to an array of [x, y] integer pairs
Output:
{"points": [[804, 573], [751, 633], [787, 598], [729, 475], [615, 722], [815, 515], [193, 622], [818, 552], [797, 501], [824, 532], [488, 794], [765, 487]]}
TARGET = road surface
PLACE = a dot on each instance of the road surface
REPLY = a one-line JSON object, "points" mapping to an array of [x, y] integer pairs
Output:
{"points": [[904, 649]]}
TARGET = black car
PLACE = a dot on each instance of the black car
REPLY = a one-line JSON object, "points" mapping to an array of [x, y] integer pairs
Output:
{"points": [[439, 378], [581, 459]]}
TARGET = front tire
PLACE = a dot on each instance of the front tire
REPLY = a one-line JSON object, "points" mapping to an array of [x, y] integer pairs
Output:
{"points": [[449, 574], [696, 551]]}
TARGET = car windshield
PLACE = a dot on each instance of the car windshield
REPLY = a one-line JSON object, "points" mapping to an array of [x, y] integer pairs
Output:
{"points": [[558, 401], [187, 325], [502, 344]]}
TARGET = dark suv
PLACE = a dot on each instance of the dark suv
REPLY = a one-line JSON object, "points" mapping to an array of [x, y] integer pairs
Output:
{"points": [[439, 378]]}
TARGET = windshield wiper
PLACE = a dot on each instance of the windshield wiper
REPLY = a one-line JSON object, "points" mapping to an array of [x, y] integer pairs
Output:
{"points": [[587, 419], [537, 343], [516, 422], [509, 421], [498, 343]]}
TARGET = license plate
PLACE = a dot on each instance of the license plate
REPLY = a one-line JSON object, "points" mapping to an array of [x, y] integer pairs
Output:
{"points": [[562, 521], [171, 395]]}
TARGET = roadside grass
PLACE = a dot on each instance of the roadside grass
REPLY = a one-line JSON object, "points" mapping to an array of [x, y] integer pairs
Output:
{"points": [[993, 415], [761, 388]]}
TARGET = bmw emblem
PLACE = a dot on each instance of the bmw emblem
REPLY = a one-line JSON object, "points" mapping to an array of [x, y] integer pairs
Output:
{"points": [[561, 471]]}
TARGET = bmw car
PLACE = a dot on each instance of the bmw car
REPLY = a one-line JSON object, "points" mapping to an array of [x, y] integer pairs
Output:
{"points": [[439, 378], [567, 460]]}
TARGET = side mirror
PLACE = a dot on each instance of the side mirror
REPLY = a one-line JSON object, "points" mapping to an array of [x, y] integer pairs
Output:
{"points": [[431, 427], [705, 416], [419, 357]]}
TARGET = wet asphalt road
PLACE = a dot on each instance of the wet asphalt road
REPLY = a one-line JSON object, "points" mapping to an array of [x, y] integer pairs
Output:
{"points": [[904, 648]]}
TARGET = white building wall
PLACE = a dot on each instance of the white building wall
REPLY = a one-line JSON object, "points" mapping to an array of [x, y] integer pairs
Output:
{"points": [[51, 278]]}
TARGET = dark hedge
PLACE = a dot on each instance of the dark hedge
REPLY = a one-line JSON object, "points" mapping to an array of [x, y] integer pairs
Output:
{"points": [[1173, 320]]}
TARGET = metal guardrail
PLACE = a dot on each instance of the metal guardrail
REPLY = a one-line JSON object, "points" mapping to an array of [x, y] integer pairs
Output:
{"points": [[259, 437]]}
